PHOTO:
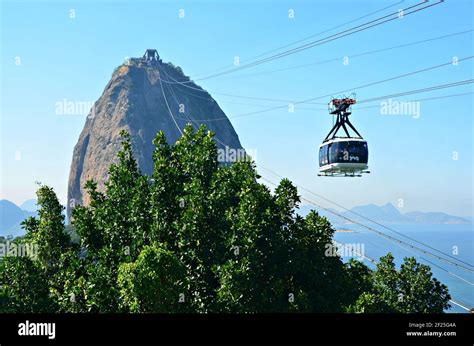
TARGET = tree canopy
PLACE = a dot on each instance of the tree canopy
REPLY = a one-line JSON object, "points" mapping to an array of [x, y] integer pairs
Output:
{"points": [[197, 236]]}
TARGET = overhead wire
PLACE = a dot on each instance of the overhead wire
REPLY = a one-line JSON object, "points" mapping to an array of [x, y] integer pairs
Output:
{"points": [[167, 105], [351, 56], [331, 38], [401, 243], [417, 91], [369, 100], [199, 89], [379, 224], [424, 99], [365, 86], [393, 239], [307, 38], [227, 94], [453, 301], [188, 117], [372, 221]]}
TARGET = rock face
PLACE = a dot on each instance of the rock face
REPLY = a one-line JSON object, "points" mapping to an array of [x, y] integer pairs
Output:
{"points": [[139, 98]]}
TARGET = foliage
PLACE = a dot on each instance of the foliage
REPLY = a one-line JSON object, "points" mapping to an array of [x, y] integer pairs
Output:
{"points": [[152, 282], [23, 286], [412, 289], [47, 232], [197, 236]]}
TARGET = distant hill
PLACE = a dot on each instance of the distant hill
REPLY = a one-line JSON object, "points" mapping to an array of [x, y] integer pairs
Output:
{"points": [[388, 214], [443, 218], [29, 205], [11, 216]]}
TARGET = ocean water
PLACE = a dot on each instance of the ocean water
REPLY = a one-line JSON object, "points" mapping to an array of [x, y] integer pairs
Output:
{"points": [[456, 240]]}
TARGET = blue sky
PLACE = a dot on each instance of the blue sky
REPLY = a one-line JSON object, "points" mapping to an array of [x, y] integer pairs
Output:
{"points": [[410, 159]]}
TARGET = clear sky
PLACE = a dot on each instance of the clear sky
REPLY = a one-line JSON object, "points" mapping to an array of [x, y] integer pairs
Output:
{"points": [[56, 50]]}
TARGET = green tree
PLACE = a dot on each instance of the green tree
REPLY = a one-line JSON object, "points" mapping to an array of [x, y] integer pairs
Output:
{"points": [[155, 282], [412, 289], [419, 291], [47, 232], [23, 286], [209, 234], [48, 235], [113, 229]]}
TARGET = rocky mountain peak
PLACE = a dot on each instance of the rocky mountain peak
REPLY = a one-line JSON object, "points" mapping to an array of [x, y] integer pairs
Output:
{"points": [[144, 95]]}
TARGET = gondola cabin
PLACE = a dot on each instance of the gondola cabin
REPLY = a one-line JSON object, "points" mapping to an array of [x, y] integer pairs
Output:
{"points": [[343, 156]]}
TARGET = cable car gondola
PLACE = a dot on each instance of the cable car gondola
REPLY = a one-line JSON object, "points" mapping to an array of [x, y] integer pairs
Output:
{"points": [[343, 156]]}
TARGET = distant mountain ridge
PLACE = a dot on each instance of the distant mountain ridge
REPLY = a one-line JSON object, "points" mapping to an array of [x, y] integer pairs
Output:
{"points": [[11, 216], [29, 205], [387, 213]]}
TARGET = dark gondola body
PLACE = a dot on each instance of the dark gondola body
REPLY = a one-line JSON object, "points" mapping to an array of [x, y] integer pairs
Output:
{"points": [[343, 156]]}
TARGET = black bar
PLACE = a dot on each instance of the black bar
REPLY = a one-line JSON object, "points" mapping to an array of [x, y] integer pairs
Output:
{"points": [[219, 329]]}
